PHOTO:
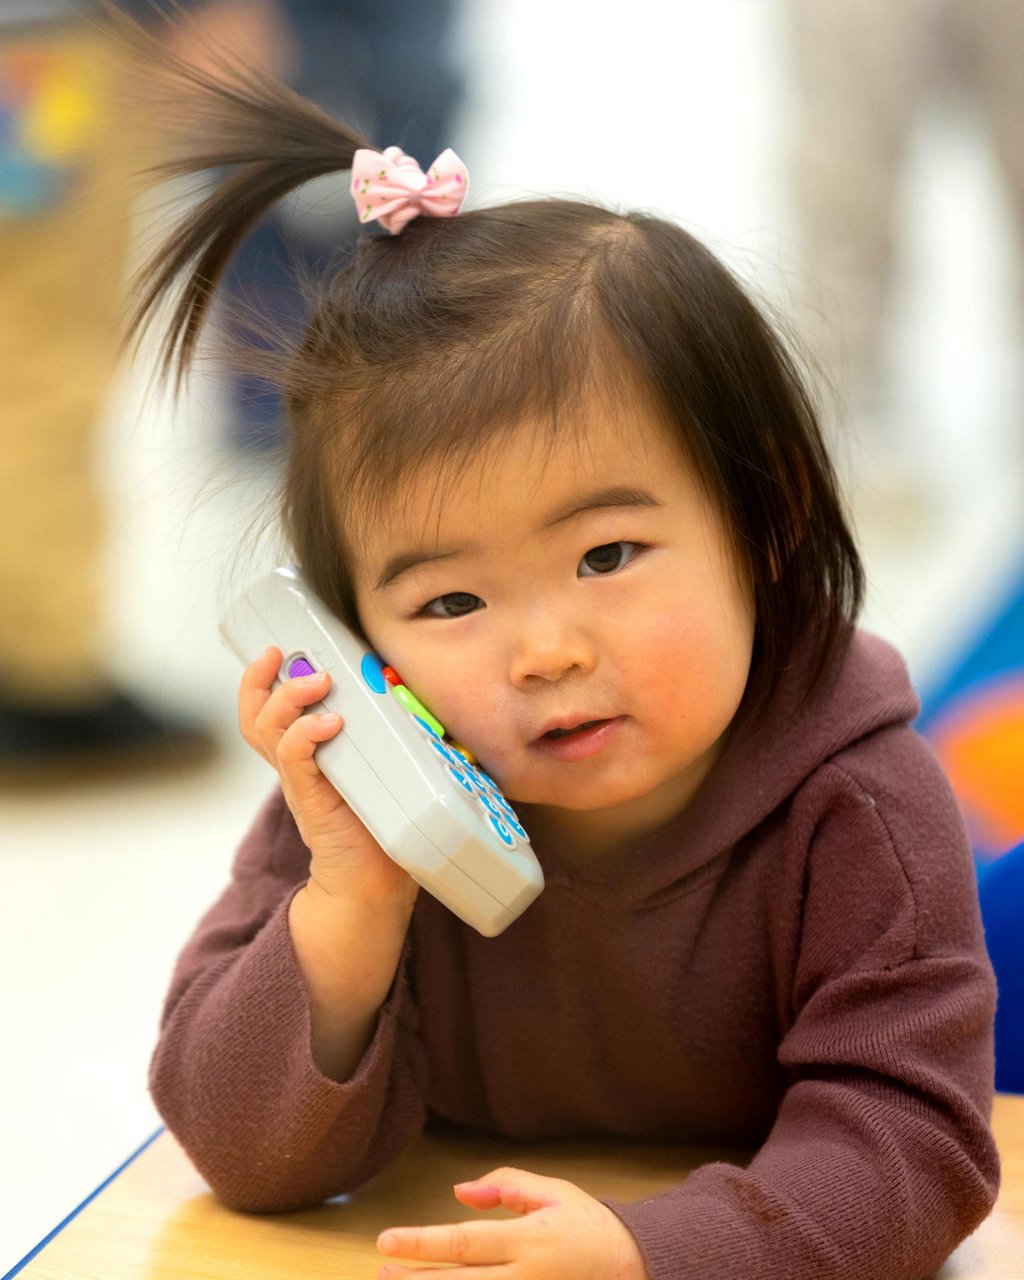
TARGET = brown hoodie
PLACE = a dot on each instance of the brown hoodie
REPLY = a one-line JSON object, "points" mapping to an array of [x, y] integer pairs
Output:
{"points": [[794, 963]]}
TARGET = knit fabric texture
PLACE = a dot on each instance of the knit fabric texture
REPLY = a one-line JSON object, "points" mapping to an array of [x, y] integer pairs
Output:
{"points": [[793, 966]]}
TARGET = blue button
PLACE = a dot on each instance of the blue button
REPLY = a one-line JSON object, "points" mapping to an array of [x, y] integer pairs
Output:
{"points": [[503, 833], [507, 814], [482, 781], [487, 788], [462, 780], [516, 825], [429, 728], [373, 673], [447, 753], [488, 803], [498, 798], [478, 786]]}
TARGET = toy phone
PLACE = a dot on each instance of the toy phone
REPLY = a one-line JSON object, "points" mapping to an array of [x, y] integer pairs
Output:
{"points": [[422, 798]]}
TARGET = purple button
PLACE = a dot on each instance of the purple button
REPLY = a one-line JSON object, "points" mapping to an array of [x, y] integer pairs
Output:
{"points": [[299, 667]]}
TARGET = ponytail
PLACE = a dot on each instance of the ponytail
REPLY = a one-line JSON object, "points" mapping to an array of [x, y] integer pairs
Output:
{"points": [[426, 345], [260, 140]]}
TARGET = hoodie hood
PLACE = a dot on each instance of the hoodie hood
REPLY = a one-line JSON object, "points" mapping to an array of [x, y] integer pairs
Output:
{"points": [[868, 688]]}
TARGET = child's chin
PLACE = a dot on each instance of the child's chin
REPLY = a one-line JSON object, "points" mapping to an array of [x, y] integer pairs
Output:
{"points": [[584, 799]]}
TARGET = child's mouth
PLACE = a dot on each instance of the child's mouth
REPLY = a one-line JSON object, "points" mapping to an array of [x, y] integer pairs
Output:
{"points": [[581, 742], [564, 733]]}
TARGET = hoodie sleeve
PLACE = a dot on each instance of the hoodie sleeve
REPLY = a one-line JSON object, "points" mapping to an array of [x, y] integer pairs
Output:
{"points": [[233, 1075], [881, 1158]]}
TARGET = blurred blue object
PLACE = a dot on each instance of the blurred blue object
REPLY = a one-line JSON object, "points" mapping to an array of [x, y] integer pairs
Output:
{"points": [[1001, 892], [26, 187], [998, 648], [41, 102], [996, 653]]}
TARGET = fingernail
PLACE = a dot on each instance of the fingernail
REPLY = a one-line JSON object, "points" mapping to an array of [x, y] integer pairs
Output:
{"points": [[387, 1241], [329, 717], [315, 678]]}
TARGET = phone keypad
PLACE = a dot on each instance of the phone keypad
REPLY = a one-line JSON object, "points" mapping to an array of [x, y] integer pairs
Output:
{"points": [[496, 810]]}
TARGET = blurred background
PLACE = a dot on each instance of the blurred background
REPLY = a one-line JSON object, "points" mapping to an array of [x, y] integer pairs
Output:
{"points": [[859, 164]]}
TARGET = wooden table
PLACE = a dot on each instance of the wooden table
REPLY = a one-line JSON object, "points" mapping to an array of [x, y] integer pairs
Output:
{"points": [[158, 1221]]}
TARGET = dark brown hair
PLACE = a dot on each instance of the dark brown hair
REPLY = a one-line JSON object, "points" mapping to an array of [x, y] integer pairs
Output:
{"points": [[427, 344]]}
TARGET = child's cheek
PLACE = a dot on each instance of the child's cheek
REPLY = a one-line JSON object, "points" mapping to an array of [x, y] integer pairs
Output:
{"points": [[484, 725], [673, 668], [460, 696]]}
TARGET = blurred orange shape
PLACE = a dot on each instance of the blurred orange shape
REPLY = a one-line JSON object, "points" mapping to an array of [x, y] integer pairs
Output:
{"points": [[980, 742]]}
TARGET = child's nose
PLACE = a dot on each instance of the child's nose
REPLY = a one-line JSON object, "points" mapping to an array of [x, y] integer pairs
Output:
{"points": [[548, 647]]}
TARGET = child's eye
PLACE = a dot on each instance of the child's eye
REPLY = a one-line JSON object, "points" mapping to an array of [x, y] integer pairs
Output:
{"points": [[456, 604], [607, 558]]}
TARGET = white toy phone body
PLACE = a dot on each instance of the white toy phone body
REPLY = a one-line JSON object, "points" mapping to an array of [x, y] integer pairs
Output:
{"points": [[427, 806]]}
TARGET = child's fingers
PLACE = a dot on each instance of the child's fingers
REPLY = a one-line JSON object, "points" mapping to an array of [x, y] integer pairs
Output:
{"points": [[298, 742], [265, 715], [254, 689], [392, 1272], [463, 1242], [515, 1189], [478, 1195], [305, 788], [283, 708]]}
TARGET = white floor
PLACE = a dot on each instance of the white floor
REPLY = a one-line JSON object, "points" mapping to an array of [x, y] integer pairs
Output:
{"points": [[101, 885]]}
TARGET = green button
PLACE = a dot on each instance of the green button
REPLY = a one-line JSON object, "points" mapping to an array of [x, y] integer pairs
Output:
{"points": [[413, 705]]}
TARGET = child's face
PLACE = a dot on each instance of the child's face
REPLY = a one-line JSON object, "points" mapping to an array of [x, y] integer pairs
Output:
{"points": [[537, 592]]}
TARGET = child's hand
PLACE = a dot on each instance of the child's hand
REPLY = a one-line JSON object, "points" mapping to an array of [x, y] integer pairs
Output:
{"points": [[347, 862], [563, 1234]]}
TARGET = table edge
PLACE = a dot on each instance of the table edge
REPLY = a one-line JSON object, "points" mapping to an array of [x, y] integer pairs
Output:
{"points": [[52, 1235]]}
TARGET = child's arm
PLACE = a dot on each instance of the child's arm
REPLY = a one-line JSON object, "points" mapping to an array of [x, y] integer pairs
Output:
{"points": [[281, 1068], [348, 923], [881, 1159], [348, 953], [233, 1074]]}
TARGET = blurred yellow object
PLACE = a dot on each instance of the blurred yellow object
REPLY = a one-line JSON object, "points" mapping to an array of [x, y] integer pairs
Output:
{"points": [[63, 253], [64, 113]]}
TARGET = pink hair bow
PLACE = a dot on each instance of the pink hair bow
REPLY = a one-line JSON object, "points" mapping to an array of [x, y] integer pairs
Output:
{"points": [[392, 187]]}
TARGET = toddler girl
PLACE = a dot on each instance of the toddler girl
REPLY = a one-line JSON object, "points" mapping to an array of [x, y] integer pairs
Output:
{"points": [[554, 466]]}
